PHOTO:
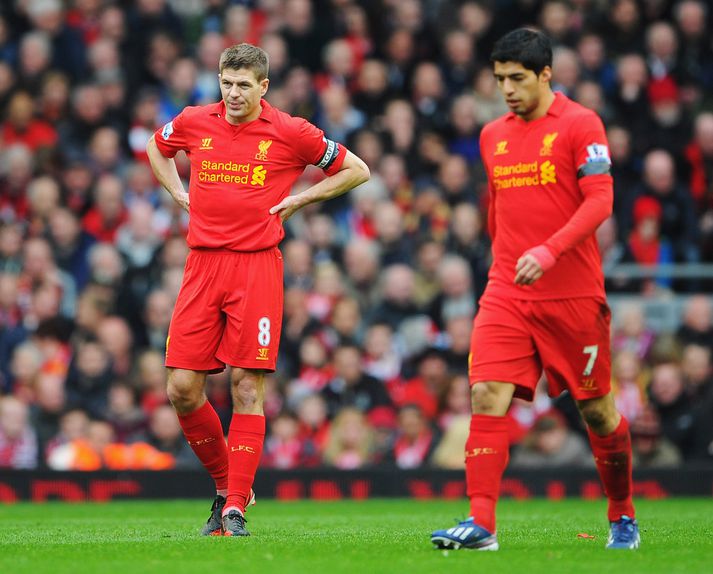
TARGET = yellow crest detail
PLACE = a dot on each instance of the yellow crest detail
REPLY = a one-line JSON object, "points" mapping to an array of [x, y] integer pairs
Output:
{"points": [[501, 147], [262, 147], [547, 143]]}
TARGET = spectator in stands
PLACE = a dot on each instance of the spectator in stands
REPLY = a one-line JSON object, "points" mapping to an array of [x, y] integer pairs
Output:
{"points": [[108, 212], [489, 102], [697, 372], [382, 359], [157, 316], [623, 29], [625, 172], [456, 339], [35, 57], [448, 453], [454, 402], [151, 380], [137, 239], [428, 383], [115, 335], [18, 440], [106, 267], [550, 443], [10, 248], [89, 378], [415, 439], [283, 447], [670, 129], [43, 195], [46, 410], [164, 435], [390, 234], [298, 263], [350, 386], [694, 55], [25, 368], [313, 428], [631, 333], [15, 174], [70, 245], [668, 395], [629, 383], [372, 89], [699, 155], [350, 441], [39, 270], [89, 113], [594, 65], [649, 448], [361, 262], [467, 238], [397, 301], [105, 154], [456, 296], [345, 324], [123, 413], [631, 104], [697, 322], [565, 70], [678, 218], [316, 369], [463, 139], [22, 127]]}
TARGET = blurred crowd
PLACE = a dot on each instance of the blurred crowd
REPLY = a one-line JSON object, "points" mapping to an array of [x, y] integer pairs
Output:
{"points": [[382, 283]]}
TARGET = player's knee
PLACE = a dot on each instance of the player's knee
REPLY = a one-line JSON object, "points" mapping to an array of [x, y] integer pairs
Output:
{"points": [[183, 393], [247, 390], [598, 418], [490, 398]]}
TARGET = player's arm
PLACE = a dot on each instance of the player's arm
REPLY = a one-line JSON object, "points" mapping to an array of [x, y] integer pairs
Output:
{"points": [[164, 168], [596, 185], [352, 172]]}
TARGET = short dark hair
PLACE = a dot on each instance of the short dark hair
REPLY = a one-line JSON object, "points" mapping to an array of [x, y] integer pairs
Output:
{"points": [[528, 47], [245, 56]]}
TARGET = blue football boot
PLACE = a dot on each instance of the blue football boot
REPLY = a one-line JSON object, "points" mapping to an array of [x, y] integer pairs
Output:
{"points": [[466, 534], [624, 534]]}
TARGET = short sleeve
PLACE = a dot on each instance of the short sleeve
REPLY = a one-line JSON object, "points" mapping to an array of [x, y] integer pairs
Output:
{"points": [[314, 148], [590, 147], [171, 138]]}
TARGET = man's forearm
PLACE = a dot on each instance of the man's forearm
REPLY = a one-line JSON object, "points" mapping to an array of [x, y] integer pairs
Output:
{"points": [[334, 186], [164, 169], [596, 207]]}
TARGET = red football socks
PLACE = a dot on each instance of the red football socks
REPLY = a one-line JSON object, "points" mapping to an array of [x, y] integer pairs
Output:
{"points": [[245, 439], [486, 456], [204, 433], [612, 453]]}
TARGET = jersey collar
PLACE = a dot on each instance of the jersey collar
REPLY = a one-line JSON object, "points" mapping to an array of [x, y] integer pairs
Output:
{"points": [[555, 108], [218, 109]]}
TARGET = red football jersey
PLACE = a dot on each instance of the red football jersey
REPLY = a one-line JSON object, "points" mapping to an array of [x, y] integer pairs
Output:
{"points": [[238, 172], [536, 174]]}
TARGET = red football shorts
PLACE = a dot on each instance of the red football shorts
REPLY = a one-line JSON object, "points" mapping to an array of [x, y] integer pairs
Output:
{"points": [[228, 311], [513, 341]]}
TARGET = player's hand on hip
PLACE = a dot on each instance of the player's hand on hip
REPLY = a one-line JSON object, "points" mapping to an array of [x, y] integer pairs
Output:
{"points": [[286, 208], [533, 264]]}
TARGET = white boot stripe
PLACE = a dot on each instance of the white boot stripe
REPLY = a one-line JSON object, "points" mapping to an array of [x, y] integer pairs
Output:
{"points": [[466, 533], [458, 532]]}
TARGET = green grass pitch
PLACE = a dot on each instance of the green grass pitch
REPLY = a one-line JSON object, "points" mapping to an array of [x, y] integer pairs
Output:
{"points": [[334, 537]]}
